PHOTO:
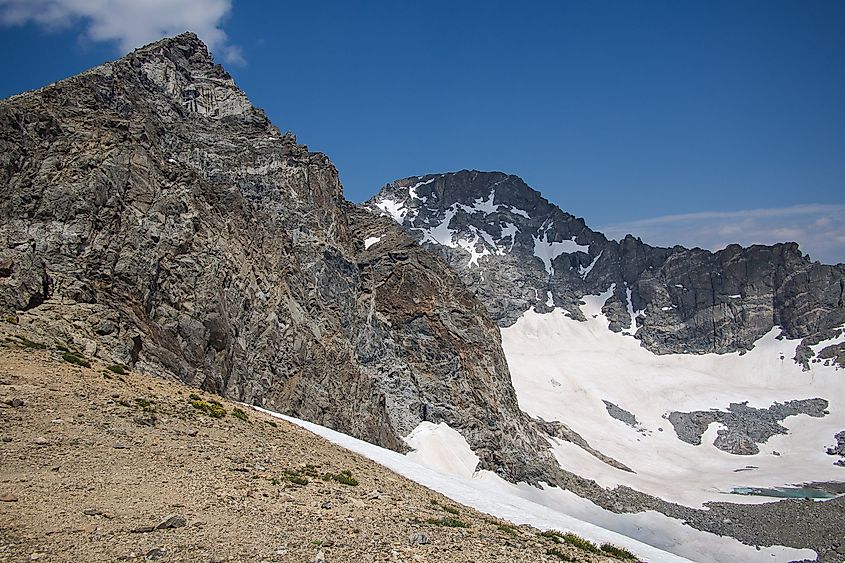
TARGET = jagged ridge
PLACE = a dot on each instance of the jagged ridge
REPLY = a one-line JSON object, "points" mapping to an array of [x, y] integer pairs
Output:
{"points": [[516, 250]]}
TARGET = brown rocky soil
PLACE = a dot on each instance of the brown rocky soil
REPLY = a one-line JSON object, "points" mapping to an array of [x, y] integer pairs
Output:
{"points": [[90, 460]]}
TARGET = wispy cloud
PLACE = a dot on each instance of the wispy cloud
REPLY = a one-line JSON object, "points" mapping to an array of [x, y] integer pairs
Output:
{"points": [[818, 229], [130, 23]]}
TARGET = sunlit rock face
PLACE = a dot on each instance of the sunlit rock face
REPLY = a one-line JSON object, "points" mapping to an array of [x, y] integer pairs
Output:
{"points": [[150, 215]]}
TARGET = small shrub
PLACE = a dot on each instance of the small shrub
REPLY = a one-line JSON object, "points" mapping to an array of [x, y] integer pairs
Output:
{"points": [[12, 319], [239, 414], [344, 478], [76, 359], [119, 369], [211, 408], [579, 542], [297, 480], [30, 344], [448, 522], [619, 552], [194, 397], [106, 375], [62, 348], [309, 470], [271, 423], [294, 477]]}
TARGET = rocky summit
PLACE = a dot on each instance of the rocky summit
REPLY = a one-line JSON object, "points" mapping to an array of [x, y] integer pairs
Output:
{"points": [[517, 251], [152, 217]]}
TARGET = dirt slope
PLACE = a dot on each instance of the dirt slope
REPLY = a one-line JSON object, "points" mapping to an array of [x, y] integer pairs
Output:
{"points": [[92, 458]]}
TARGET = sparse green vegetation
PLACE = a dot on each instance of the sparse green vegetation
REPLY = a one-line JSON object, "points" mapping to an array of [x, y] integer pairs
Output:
{"points": [[504, 527], [580, 543], [30, 344], [448, 522], [271, 423], [76, 359], [294, 477], [309, 470], [194, 397], [344, 477], [571, 539], [211, 408], [12, 319], [618, 552], [449, 509], [145, 404], [62, 348], [119, 369], [239, 414]]}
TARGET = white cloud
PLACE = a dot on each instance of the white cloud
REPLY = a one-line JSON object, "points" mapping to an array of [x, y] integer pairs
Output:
{"points": [[818, 229], [130, 23]]}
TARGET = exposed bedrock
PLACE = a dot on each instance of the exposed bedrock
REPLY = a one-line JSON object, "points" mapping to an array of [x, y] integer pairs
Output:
{"points": [[744, 427]]}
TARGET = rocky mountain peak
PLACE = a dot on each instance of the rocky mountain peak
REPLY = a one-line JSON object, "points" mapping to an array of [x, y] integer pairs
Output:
{"points": [[518, 251], [151, 216]]}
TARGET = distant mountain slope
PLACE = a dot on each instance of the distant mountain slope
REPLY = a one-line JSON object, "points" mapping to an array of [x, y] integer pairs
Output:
{"points": [[518, 251]]}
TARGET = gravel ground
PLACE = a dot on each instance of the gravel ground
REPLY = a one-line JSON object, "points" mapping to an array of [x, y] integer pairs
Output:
{"points": [[101, 466]]}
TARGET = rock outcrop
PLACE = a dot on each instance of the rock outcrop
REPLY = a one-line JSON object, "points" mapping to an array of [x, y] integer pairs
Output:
{"points": [[516, 251], [151, 216], [744, 427]]}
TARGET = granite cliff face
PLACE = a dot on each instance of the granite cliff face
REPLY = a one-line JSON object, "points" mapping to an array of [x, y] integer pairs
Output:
{"points": [[151, 216], [516, 251]]}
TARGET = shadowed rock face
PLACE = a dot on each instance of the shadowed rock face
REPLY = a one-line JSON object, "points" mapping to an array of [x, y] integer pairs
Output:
{"points": [[516, 251], [153, 217]]}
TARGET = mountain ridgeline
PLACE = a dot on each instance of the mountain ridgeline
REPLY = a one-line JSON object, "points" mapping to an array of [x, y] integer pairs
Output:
{"points": [[517, 251], [151, 216]]}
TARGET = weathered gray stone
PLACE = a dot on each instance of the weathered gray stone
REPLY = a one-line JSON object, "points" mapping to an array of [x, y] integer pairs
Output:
{"points": [[745, 427]]}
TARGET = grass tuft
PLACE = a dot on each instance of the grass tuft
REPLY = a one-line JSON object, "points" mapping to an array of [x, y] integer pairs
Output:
{"points": [[448, 521], [210, 407], [239, 414], [344, 478], [30, 344], [619, 552], [76, 359], [119, 369]]}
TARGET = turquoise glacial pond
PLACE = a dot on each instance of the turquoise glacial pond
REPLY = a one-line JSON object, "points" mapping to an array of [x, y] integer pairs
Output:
{"points": [[783, 492]]}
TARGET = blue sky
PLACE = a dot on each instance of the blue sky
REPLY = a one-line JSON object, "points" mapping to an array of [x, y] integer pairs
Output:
{"points": [[679, 121]]}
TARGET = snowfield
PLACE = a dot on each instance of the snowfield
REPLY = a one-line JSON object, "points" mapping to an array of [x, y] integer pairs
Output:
{"points": [[444, 462], [563, 369]]}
